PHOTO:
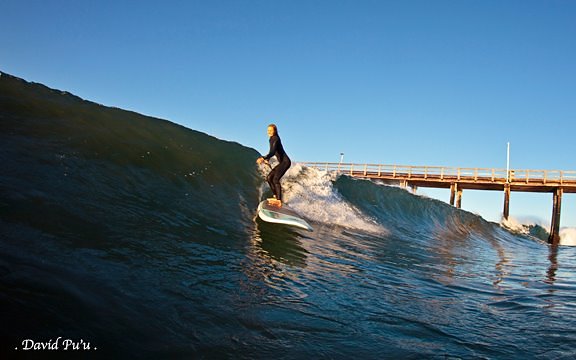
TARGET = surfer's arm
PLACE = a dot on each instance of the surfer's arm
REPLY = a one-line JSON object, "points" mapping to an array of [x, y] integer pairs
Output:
{"points": [[273, 147]]}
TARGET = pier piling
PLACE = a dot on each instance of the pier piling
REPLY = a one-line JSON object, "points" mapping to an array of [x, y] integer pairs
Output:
{"points": [[506, 211], [459, 198], [453, 188], [554, 238]]}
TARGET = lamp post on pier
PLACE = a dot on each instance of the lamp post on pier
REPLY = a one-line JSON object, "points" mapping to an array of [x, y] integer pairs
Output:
{"points": [[341, 159], [508, 162]]}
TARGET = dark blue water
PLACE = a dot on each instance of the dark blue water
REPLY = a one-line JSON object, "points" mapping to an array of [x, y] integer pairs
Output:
{"points": [[138, 236]]}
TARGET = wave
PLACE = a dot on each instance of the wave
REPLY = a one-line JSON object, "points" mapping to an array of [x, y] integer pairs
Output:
{"points": [[130, 160]]}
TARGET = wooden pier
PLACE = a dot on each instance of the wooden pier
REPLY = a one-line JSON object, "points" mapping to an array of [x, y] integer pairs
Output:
{"points": [[556, 182]]}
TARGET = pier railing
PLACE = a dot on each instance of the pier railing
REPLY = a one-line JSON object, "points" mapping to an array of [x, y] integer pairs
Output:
{"points": [[443, 173]]}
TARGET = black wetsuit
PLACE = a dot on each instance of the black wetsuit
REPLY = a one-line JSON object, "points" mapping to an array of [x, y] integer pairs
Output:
{"points": [[276, 149]]}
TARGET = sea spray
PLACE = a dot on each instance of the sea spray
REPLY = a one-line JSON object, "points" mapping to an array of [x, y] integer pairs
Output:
{"points": [[568, 236], [514, 225], [538, 229], [311, 192]]}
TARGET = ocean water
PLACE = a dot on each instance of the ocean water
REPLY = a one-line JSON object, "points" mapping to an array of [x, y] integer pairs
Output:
{"points": [[139, 237]]}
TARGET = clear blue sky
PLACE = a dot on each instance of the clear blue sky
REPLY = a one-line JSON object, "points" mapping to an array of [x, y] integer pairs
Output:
{"points": [[395, 82]]}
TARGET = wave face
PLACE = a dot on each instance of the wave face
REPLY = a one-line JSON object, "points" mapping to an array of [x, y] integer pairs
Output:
{"points": [[138, 236]]}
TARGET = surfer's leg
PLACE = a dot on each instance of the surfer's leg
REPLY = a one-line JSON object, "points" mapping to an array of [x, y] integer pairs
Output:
{"points": [[280, 170], [270, 179], [276, 187]]}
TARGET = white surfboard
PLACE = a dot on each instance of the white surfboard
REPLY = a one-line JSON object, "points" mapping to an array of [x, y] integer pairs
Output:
{"points": [[281, 215]]}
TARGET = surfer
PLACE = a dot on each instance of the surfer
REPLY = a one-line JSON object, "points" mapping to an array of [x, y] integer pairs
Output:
{"points": [[273, 179]]}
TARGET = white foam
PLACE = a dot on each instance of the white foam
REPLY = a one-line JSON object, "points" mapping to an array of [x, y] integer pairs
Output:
{"points": [[523, 224], [310, 192], [515, 225], [568, 236]]}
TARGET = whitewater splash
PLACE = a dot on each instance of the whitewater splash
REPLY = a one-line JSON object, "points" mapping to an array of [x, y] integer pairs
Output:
{"points": [[311, 192], [568, 236], [519, 226], [538, 229]]}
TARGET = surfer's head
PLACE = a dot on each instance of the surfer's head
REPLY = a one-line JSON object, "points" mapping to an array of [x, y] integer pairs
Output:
{"points": [[272, 130]]}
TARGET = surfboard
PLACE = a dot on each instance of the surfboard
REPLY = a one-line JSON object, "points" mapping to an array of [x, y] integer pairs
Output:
{"points": [[282, 215]]}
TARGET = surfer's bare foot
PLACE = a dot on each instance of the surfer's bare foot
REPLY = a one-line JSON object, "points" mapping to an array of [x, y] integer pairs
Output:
{"points": [[275, 202]]}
